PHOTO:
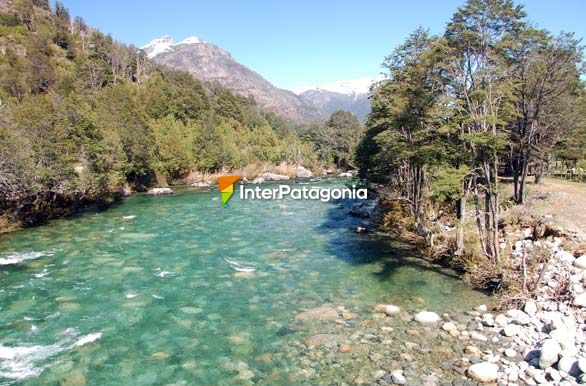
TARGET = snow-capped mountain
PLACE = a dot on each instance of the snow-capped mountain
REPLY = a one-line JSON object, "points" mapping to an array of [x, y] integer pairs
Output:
{"points": [[166, 44], [348, 87], [349, 95], [212, 63]]}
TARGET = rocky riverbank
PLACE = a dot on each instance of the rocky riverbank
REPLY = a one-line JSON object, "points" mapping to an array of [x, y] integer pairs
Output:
{"points": [[543, 342]]}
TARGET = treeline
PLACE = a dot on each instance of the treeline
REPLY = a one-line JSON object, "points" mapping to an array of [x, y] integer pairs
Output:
{"points": [[335, 140], [492, 96], [82, 115]]}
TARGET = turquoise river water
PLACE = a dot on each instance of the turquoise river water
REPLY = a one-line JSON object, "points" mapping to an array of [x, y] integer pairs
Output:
{"points": [[176, 290]]}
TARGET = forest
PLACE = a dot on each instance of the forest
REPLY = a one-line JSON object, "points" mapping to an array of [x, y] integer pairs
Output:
{"points": [[462, 116], [83, 116]]}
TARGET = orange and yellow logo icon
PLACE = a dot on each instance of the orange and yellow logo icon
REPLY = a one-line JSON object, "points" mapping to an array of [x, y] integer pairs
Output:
{"points": [[226, 185]]}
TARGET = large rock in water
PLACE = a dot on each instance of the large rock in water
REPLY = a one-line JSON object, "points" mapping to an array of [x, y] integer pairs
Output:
{"points": [[427, 317], [484, 371], [160, 191], [319, 314]]}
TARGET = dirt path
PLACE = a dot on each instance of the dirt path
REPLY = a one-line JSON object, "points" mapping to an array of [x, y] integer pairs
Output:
{"points": [[561, 203]]}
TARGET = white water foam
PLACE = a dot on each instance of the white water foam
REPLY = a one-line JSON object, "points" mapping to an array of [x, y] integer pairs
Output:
{"points": [[42, 274], [236, 266], [17, 258], [19, 362], [23, 362], [164, 273], [89, 338]]}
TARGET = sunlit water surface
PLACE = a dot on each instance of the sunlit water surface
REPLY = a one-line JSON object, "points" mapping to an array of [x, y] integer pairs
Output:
{"points": [[152, 291]]}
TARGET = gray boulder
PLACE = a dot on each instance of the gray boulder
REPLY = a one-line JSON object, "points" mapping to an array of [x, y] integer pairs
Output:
{"points": [[303, 173], [160, 191], [483, 372], [550, 352]]}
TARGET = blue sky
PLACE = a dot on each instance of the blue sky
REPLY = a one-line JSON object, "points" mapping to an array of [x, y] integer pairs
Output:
{"points": [[301, 42]]}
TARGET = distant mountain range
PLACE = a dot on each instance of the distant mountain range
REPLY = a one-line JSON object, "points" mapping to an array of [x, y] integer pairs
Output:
{"points": [[349, 95], [212, 63]]}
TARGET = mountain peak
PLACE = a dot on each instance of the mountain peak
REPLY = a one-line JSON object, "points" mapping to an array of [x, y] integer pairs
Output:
{"points": [[166, 44], [346, 87], [191, 40], [211, 63]]}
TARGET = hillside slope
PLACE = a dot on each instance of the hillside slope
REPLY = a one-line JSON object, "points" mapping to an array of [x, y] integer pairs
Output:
{"points": [[212, 63]]}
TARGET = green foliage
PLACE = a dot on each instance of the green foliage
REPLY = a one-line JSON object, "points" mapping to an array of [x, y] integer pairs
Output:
{"points": [[9, 20], [336, 140], [174, 143], [9, 30], [446, 183], [82, 115]]}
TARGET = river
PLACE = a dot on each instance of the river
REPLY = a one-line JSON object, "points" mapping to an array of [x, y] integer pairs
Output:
{"points": [[177, 290]]}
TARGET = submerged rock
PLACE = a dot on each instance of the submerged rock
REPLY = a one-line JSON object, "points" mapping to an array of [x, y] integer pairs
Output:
{"points": [[319, 314], [449, 327], [392, 310], [160, 355], [427, 317], [327, 340], [74, 378]]}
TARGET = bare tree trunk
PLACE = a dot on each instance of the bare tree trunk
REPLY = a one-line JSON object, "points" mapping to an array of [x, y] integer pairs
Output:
{"points": [[479, 223], [461, 214], [495, 207], [520, 199], [539, 170]]}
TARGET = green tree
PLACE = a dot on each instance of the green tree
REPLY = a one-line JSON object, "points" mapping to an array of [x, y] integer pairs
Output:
{"points": [[407, 136], [174, 144], [483, 89], [336, 140]]}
